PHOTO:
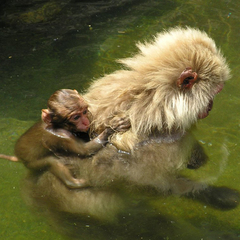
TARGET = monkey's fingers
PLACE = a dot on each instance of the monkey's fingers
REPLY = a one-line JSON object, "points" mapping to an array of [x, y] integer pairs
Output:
{"points": [[8, 157], [78, 183], [123, 128], [122, 125]]}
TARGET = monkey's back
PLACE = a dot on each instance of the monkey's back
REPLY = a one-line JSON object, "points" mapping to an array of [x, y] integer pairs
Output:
{"points": [[29, 147]]}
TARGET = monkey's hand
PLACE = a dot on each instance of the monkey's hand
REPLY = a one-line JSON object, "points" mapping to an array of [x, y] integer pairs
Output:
{"points": [[103, 137], [117, 124], [120, 124]]}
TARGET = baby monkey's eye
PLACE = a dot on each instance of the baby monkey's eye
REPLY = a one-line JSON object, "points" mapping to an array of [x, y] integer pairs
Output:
{"points": [[85, 111], [76, 117]]}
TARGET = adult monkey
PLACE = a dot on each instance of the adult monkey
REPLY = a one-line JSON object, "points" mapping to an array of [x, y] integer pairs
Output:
{"points": [[170, 84]]}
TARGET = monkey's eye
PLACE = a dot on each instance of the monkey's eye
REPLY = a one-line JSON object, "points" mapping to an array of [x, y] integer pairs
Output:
{"points": [[76, 117], [85, 111]]}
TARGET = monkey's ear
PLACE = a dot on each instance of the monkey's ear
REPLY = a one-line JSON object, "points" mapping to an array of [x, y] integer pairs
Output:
{"points": [[46, 117], [187, 79]]}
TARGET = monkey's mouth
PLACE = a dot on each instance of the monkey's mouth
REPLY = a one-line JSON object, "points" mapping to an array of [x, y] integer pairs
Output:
{"points": [[210, 104], [208, 109]]}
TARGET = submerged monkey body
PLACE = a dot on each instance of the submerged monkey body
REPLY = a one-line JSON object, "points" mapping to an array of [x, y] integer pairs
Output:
{"points": [[113, 174]]}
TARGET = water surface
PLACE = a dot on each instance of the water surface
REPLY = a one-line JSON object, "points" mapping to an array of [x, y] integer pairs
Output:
{"points": [[36, 64]]}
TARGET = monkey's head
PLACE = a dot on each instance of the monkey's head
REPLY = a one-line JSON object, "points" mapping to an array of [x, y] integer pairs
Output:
{"points": [[186, 81], [177, 74], [67, 110]]}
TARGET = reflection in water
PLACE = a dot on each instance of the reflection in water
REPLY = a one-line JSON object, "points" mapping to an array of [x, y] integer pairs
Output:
{"points": [[35, 64]]}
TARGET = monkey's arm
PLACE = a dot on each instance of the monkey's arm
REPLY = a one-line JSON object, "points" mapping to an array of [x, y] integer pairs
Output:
{"points": [[198, 157], [60, 141], [119, 123], [93, 146]]}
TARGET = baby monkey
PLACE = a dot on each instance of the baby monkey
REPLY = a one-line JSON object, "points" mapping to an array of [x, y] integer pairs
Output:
{"points": [[63, 132]]}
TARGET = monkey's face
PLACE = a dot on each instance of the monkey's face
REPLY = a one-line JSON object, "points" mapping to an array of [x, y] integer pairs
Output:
{"points": [[79, 120]]}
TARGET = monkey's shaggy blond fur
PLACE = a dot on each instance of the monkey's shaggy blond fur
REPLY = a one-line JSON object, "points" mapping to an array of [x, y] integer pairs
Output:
{"points": [[147, 93]]}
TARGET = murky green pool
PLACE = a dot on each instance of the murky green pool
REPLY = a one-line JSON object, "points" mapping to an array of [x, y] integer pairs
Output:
{"points": [[72, 61]]}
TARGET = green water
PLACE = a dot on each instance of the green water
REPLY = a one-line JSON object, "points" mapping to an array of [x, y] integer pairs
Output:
{"points": [[73, 61]]}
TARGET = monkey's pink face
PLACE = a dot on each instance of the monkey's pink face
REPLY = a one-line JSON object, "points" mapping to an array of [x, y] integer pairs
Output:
{"points": [[80, 120], [210, 104]]}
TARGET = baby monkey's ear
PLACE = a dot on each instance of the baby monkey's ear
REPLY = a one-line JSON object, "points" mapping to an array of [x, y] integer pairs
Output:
{"points": [[46, 117]]}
